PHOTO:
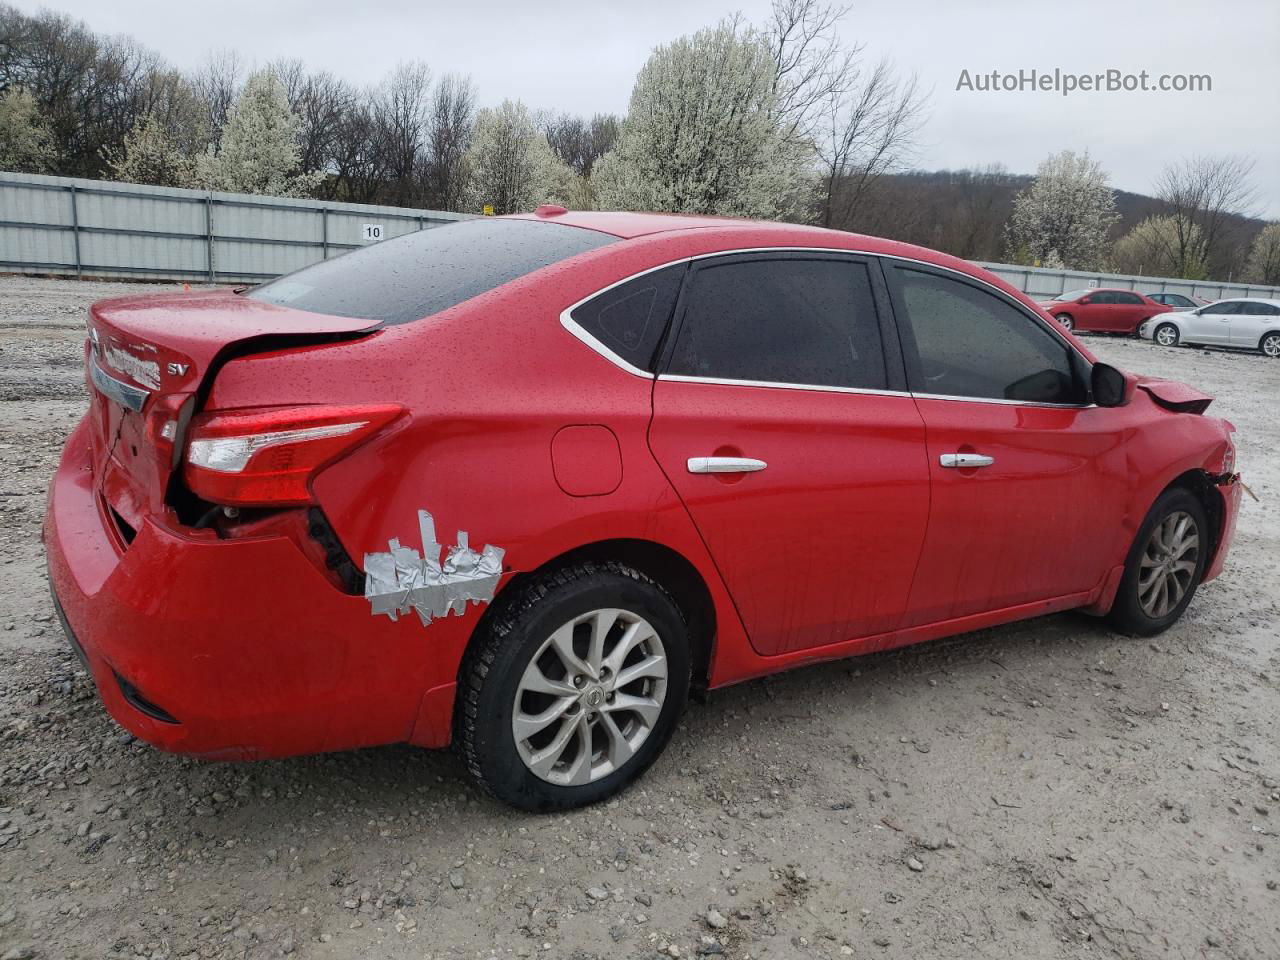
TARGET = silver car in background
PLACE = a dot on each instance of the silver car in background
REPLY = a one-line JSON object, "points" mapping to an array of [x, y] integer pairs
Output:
{"points": [[1247, 323]]}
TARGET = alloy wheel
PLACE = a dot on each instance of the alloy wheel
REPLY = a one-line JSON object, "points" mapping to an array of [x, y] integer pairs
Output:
{"points": [[1271, 345], [590, 697], [1168, 564], [1166, 336], [1065, 320]]}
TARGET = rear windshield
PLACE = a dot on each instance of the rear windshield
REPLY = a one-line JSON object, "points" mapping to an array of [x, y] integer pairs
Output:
{"points": [[1074, 294], [423, 273]]}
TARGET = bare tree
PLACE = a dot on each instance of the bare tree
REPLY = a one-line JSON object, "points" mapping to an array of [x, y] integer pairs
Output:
{"points": [[218, 81], [321, 102], [400, 108], [1203, 194], [577, 141], [861, 120], [450, 122]]}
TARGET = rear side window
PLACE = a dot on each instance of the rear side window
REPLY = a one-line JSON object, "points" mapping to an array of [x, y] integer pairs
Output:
{"points": [[423, 273], [629, 319], [788, 320], [1128, 299], [971, 343]]}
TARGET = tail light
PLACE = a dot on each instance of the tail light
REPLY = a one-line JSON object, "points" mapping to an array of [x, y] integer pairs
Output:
{"points": [[266, 457]]}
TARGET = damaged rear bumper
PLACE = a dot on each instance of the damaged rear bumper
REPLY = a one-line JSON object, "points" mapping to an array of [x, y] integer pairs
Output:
{"points": [[228, 649]]}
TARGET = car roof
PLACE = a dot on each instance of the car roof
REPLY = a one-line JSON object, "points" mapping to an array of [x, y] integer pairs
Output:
{"points": [[628, 225], [733, 233]]}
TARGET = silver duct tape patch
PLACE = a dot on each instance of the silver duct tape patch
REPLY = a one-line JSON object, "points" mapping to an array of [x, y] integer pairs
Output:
{"points": [[403, 580], [146, 372]]}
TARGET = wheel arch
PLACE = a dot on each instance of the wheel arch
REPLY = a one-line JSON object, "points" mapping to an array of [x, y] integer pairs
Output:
{"points": [[661, 563], [1203, 486]]}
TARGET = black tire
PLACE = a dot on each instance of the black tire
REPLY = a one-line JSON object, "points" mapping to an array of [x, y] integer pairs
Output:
{"points": [[1127, 612], [1269, 345], [1066, 320], [491, 671], [1177, 336]]}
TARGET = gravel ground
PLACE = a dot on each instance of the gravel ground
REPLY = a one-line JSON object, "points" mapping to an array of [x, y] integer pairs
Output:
{"points": [[1046, 789]]}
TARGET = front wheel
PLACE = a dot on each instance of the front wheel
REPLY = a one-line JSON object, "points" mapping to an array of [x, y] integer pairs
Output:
{"points": [[1066, 321], [1164, 565], [1270, 344], [1167, 335], [574, 687]]}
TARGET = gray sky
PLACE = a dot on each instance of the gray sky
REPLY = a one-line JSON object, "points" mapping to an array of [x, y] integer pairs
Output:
{"points": [[583, 56]]}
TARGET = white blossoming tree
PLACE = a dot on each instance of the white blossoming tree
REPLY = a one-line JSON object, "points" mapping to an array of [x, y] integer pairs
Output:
{"points": [[25, 142], [704, 134], [511, 167], [1263, 265], [150, 155], [259, 150], [1064, 216]]}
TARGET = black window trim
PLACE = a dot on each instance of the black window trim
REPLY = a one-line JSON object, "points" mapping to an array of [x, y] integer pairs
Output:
{"points": [[1079, 364], [889, 327]]}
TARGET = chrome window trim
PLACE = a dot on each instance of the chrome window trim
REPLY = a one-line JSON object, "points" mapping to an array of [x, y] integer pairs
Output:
{"points": [[822, 388], [569, 324], [129, 397]]}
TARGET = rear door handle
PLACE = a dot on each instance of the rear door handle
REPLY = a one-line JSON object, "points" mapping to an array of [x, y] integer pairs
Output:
{"points": [[965, 461], [725, 465]]}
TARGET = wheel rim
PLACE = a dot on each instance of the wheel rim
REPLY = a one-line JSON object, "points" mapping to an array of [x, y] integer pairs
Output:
{"points": [[1167, 336], [1064, 320], [1168, 564], [590, 697], [1271, 346]]}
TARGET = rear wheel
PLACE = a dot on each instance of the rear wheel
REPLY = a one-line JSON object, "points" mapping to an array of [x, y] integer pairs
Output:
{"points": [[1164, 566], [1270, 344], [1066, 320], [1167, 335], [574, 688]]}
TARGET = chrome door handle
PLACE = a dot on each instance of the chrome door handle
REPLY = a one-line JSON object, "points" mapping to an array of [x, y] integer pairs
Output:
{"points": [[966, 460], [725, 465]]}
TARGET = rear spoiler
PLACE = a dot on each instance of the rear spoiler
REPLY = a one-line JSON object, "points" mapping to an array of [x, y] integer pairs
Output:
{"points": [[1176, 396]]}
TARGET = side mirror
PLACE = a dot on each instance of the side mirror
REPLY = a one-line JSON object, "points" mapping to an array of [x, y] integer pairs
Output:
{"points": [[1107, 385]]}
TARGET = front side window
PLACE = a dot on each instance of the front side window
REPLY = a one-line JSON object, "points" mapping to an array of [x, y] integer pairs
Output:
{"points": [[794, 320], [971, 343], [422, 273], [629, 319]]}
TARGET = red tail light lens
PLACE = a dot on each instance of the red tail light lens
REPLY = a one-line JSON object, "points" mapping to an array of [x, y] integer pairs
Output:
{"points": [[266, 457]]}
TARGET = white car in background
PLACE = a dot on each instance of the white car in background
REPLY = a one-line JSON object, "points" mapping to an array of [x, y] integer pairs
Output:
{"points": [[1248, 323]]}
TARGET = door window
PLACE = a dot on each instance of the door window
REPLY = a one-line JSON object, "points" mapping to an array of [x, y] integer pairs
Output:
{"points": [[972, 343], [795, 320], [1128, 299], [1228, 308]]}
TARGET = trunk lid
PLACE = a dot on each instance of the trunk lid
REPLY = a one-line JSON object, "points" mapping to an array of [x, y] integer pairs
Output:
{"points": [[146, 360]]}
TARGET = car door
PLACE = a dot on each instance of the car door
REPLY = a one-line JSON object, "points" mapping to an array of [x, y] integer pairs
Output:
{"points": [[1130, 310], [1018, 501], [782, 420], [1212, 324], [1251, 321]]}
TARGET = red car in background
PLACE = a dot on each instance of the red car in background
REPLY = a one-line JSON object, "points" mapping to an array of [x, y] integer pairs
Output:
{"points": [[676, 451], [1103, 309]]}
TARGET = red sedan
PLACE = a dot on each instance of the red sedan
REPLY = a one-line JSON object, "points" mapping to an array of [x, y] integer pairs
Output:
{"points": [[519, 484], [1103, 309]]}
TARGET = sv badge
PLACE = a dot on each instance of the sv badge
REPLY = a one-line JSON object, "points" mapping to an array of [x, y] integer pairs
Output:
{"points": [[179, 369]]}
